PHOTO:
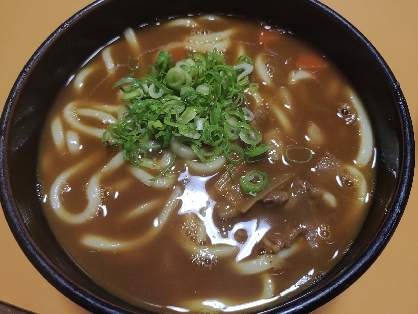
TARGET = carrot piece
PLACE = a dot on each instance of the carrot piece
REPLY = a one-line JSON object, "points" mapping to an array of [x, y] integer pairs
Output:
{"points": [[267, 37], [178, 53], [309, 61]]}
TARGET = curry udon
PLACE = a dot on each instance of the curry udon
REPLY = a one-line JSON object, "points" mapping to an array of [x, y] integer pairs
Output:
{"points": [[190, 239]]}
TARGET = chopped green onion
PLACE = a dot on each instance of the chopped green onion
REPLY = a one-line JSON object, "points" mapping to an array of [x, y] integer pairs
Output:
{"points": [[253, 151], [246, 69], [186, 89], [153, 93], [248, 114], [189, 133], [253, 182], [187, 115], [200, 124], [167, 168], [199, 101], [250, 135], [299, 155], [203, 89], [214, 135], [177, 78], [232, 132], [136, 93], [234, 154]]}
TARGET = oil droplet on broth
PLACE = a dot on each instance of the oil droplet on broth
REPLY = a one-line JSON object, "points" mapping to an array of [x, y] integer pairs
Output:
{"points": [[324, 232], [204, 260]]}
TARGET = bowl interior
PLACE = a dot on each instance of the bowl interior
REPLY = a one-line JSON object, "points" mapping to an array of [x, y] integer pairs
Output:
{"points": [[73, 42]]}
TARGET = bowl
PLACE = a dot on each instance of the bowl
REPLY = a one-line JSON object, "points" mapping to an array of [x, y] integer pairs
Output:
{"points": [[79, 37]]}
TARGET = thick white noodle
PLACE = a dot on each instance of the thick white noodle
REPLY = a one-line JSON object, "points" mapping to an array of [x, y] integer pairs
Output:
{"points": [[315, 136], [296, 76], [282, 118], [165, 159], [168, 208], [164, 182], [261, 70], [93, 191], [93, 195], [81, 76], [130, 37], [182, 150], [104, 117], [102, 243], [268, 291], [108, 60], [274, 140], [240, 51], [256, 265], [329, 199], [248, 68], [218, 250], [182, 22], [207, 42], [361, 183], [114, 163], [285, 97], [113, 109], [256, 96], [366, 135], [229, 306], [264, 262], [73, 141], [207, 168], [72, 113], [58, 134]]}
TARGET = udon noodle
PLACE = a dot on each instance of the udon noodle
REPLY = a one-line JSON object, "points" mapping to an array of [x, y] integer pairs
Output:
{"points": [[189, 240]]}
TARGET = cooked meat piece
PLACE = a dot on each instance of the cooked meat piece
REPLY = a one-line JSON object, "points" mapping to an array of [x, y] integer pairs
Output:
{"points": [[278, 241], [300, 199], [276, 197]]}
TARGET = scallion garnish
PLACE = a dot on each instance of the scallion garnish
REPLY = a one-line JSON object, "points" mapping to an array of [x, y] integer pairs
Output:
{"points": [[298, 155], [198, 101], [253, 182]]}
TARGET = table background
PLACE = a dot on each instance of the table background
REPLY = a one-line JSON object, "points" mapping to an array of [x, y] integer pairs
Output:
{"points": [[389, 286]]}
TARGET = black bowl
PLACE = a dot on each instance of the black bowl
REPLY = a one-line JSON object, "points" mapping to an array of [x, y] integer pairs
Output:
{"points": [[76, 39]]}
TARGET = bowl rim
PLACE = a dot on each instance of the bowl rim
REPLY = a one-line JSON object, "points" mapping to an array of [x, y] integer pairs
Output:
{"points": [[304, 302]]}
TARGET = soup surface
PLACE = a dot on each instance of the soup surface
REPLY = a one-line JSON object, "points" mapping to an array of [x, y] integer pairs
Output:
{"points": [[189, 239]]}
